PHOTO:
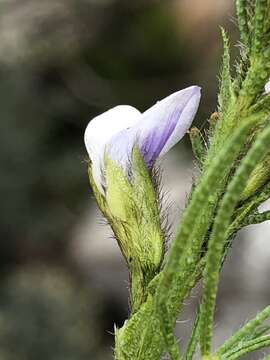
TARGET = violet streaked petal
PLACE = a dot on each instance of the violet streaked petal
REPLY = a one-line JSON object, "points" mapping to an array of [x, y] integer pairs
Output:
{"points": [[185, 120], [158, 129], [101, 129]]}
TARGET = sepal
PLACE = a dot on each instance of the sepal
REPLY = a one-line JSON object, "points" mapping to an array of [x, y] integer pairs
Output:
{"points": [[131, 206]]}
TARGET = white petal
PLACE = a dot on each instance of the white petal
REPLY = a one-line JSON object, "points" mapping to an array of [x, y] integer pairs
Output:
{"points": [[267, 87], [100, 130]]}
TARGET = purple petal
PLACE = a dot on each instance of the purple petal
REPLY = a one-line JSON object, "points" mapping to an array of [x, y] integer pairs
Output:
{"points": [[158, 129]]}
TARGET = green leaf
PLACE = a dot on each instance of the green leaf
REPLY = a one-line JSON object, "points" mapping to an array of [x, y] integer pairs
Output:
{"points": [[226, 93], [220, 234], [186, 248], [242, 15], [247, 330], [194, 339], [260, 26], [256, 218], [198, 145], [139, 338], [259, 176], [248, 347]]}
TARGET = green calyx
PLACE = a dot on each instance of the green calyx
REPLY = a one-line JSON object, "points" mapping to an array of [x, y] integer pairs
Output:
{"points": [[131, 207]]}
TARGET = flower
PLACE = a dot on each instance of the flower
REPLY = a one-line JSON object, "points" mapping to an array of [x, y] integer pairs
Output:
{"points": [[115, 132], [267, 87]]}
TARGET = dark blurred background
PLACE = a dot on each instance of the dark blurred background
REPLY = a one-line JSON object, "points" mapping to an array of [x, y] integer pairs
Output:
{"points": [[63, 282]]}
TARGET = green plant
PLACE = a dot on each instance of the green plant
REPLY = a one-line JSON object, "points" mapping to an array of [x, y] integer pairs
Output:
{"points": [[233, 181]]}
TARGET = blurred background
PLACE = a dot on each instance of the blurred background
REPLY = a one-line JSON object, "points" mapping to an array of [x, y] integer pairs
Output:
{"points": [[63, 282]]}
